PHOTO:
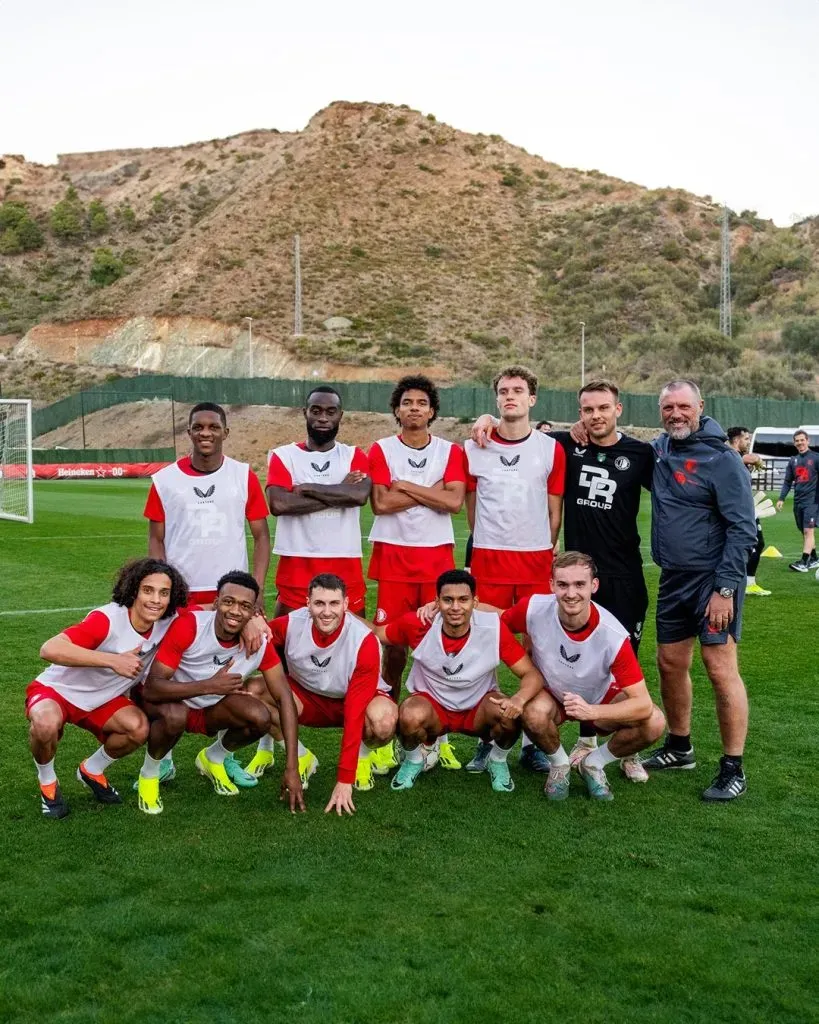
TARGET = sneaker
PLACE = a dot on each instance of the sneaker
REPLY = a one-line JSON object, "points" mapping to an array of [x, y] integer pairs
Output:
{"points": [[167, 773], [501, 779], [308, 763], [596, 782], [557, 782], [364, 774], [52, 801], [728, 785], [754, 588], [481, 758], [102, 789], [148, 798], [383, 759], [236, 773], [447, 758], [633, 769], [799, 566], [216, 773], [580, 749], [259, 763], [532, 759], [431, 755], [664, 757], [406, 775], [813, 561]]}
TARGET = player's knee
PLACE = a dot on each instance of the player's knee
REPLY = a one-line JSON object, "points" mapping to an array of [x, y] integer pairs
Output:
{"points": [[257, 718], [174, 717], [536, 716], [654, 726], [45, 728], [412, 719], [381, 723]]}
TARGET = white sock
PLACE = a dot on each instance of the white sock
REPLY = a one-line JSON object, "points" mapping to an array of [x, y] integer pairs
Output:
{"points": [[443, 738], [588, 741], [525, 742], [414, 756], [168, 758], [45, 772], [750, 581], [150, 766], [600, 757], [98, 762], [302, 749], [216, 752], [280, 744], [363, 750], [268, 743], [497, 753], [559, 757]]}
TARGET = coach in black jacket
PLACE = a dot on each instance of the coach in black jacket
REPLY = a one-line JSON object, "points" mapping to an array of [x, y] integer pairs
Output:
{"points": [[702, 530]]}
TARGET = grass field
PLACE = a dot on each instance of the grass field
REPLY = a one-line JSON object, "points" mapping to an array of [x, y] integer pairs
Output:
{"points": [[447, 904]]}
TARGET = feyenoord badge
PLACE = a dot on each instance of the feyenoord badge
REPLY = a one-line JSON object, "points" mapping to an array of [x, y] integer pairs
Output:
{"points": [[621, 462]]}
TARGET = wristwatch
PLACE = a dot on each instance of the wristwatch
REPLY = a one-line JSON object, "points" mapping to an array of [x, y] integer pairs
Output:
{"points": [[726, 592]]}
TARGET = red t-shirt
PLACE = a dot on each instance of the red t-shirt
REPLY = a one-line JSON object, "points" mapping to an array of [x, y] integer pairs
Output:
{"points": [[181, 635], [396, 562], [409, 631], [93, 629], [361, 689], [625, 668], [255, 507]]}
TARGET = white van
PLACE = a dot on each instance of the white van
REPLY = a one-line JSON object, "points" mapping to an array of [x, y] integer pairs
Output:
{"points": [[775, 445]]}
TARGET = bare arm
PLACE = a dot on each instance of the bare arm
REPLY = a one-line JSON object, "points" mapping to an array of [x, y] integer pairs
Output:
{"points": [[156, 540], [260, 532], [161, 686], [531, 683], [282, 502], [61, 651], [470, 509], [386, 500], [635, 707], [440, 497], [279, 690], [555, 502], [352, 492]]}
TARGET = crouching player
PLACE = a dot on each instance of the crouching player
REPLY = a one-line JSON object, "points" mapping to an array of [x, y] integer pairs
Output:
{"points": [[334, 668], [591, 673], [197, 684], [93, 666], [453, 682]]}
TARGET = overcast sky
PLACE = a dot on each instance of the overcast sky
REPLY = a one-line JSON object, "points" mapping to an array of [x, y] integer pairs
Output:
{"points": [[717, 97]]}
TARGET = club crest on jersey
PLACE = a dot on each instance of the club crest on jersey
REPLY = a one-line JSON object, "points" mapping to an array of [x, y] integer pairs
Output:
{"points": [[601, 456], [622, 463], [509, 462], [452, 671], [321, 468], [204, 494], [571, 658], [417, 465], [319, 663], [221, 662]]}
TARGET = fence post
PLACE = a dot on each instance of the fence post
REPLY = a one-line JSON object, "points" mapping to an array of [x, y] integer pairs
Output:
{"points": [[82, 416]]}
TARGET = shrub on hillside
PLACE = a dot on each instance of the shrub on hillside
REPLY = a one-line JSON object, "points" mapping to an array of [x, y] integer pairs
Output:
{"points": [[97, 217], [106, 268], [702, 349], [67, 219], [802, 335]]}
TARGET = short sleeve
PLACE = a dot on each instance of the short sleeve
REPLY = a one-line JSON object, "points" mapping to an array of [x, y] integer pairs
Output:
{"points": [[360, 463], [176, 641], [278, 627], [256, 507], [91, 632], [154, 509], [511, 651], [277, 474], [626, 668], [556, 482], [455, 471], [408, 630], [378, 468], [514, 618], [270, 658]]}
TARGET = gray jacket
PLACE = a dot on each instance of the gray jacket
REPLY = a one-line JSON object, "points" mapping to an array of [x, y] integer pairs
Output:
{"points": [[702, 506]]}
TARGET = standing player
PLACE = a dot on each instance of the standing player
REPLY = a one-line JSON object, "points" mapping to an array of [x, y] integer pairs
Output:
{"points": [[418, 484], [802, 473], [316, 489], [197, 509], [197, 684], [93, 666], [591, 674], [334, 668], [739, 438], [513, 479], [453, 683]]}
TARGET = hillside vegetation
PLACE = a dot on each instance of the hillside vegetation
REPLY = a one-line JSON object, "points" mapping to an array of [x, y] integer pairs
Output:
{"points": [[438, 247]]}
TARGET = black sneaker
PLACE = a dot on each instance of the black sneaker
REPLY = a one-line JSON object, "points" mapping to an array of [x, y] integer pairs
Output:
{"points": [[103, 791], [532, 759], [53, 807], [728, 785], [666, 757], [481, 759], [799, 566], [813, 562]]}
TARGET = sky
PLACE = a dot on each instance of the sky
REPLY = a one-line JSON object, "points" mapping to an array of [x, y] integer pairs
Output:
{"points": [[719, 98]]}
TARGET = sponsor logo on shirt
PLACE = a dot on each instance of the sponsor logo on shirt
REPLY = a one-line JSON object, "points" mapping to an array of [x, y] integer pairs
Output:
{"points": [[319, 663], [417, 465], [221, 662], [145, 652], [600, 486], [579, 451], [570, 658], [321, 468], [452, 671], [509, 462], [204, 494]]}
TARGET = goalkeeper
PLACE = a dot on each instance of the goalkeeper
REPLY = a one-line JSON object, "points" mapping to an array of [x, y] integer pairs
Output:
{"points": [[739, 438]]}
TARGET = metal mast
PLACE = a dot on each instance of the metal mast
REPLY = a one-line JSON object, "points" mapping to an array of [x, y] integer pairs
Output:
{"points": [[725, 281], [297, 321]]}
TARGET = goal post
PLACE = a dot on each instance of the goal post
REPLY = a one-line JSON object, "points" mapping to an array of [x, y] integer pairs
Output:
{"points": [[16, 468]]}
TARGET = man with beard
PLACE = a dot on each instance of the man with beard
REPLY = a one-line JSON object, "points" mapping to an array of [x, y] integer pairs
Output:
{"points": [[802, 473], [739, 438]]}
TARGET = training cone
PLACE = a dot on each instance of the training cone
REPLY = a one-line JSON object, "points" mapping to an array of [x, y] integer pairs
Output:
{"points": [[771, 552]]}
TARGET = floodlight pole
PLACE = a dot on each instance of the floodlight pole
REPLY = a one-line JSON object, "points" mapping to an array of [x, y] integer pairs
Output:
{"points": [[249, 344], [582, 353]]}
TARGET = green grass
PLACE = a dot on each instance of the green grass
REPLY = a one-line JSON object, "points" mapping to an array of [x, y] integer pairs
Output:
{"points": [[446, 904]]}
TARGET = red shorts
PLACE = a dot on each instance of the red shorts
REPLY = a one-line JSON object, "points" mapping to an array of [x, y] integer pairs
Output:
{"points": [[453, 721], [293, 576], [504, 595], [93, 721], [320, 712], [196, 721], [397, 598], [197, 598]]}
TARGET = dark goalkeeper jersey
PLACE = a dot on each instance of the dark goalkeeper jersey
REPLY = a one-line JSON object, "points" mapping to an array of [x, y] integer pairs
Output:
{"points": [[602, 499], [802, 473]]}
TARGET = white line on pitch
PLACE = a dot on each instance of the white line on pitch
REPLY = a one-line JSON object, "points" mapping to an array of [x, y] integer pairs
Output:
{"points": [[49, 611], [85, 536]]}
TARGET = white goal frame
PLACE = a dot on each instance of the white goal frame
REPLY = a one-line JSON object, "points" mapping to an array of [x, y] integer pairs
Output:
{"points": [[29, 517]]}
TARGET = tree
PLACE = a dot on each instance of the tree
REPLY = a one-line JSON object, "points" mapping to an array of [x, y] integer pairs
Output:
{"points": [[68, 216], [30, 234], [97, 217], [106, 268], [802, 335], [11, 214]]}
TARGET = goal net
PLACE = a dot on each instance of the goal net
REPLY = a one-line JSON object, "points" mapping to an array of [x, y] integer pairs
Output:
{"points": [[16, 472]]}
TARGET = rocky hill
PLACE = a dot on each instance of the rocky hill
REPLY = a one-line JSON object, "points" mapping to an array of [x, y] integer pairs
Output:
{"points": [[436, 247]]}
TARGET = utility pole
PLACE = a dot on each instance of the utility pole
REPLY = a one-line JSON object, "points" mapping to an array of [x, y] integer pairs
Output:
{"points": [[249, 345], [582, 353], [725, 325], [297, 321]]}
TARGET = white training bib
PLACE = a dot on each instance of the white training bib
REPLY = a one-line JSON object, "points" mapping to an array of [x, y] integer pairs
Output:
{"points": [[511, 508], [331, 533], [418, 527], [324, 670], [458, 681], [90, 688], [582, 667], [205, 521], [206, 656]]}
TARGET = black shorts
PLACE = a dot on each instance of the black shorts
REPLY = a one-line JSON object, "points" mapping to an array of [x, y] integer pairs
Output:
{"points": [[805, 514], [681, 602], [626, 598]]}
